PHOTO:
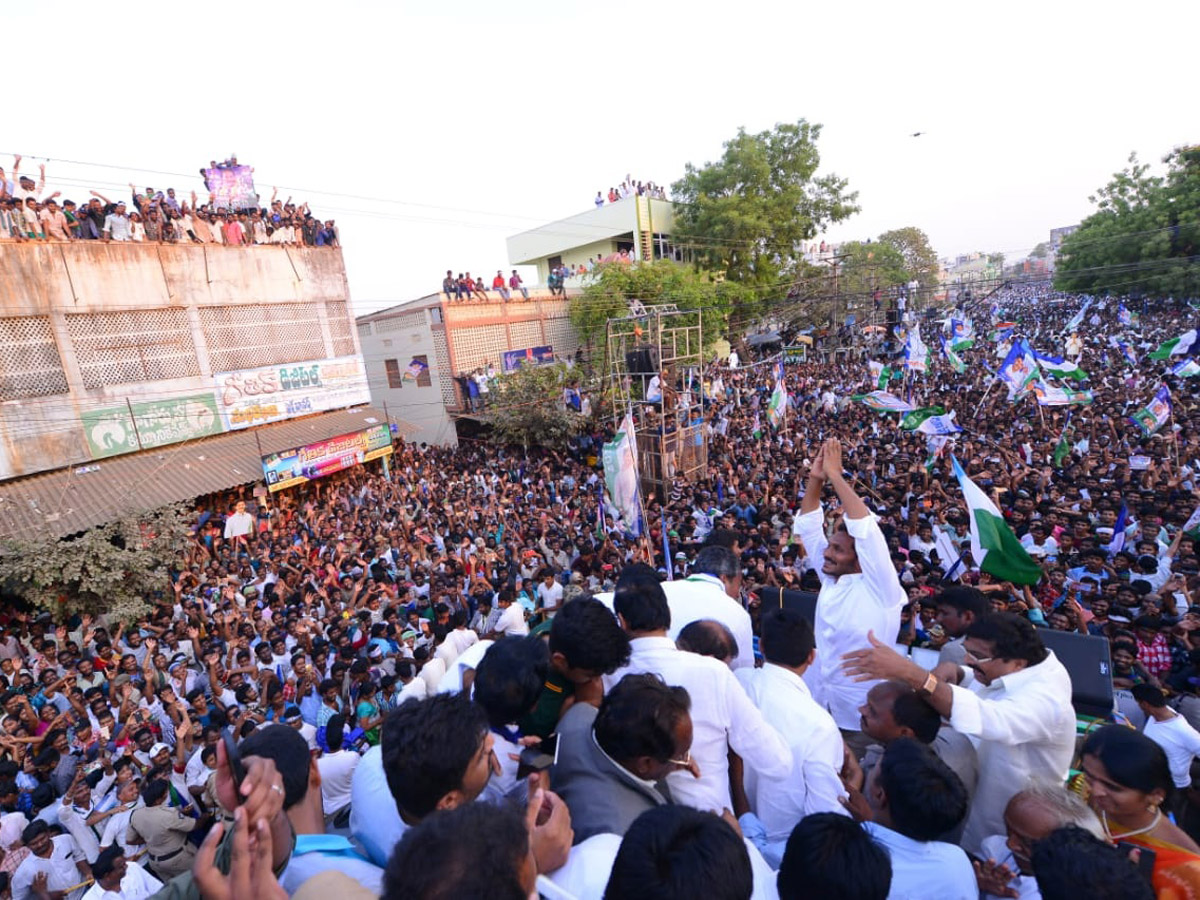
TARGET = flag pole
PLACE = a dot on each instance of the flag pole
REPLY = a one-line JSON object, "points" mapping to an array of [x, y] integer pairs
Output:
{"points": [[1174, 438], [979, 405]]}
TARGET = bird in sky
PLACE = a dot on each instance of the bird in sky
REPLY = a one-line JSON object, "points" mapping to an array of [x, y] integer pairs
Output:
{"points": [[916, 134]]}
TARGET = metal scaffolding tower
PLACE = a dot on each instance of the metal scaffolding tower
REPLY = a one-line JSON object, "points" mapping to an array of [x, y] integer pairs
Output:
{"points": [[655, 366]]}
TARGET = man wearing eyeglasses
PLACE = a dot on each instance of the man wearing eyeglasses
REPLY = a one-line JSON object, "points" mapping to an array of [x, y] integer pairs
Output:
{"points": [[1011, 696]]}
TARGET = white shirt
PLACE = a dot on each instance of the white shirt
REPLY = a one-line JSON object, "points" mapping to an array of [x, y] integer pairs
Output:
{"points": [[116, 830], [414, 690], [549, 596], [60, 869], [75, 821], [1048, 547], [924, 869], [813, 785], [337, 774], [996, 847], [238, 525], [1180, 741], [847, 608], [703, 597], [512, 620], [136, 885], [585, 874], [468, 659], [460, 639], [1023, 726], [431, 673], [722, 718]]}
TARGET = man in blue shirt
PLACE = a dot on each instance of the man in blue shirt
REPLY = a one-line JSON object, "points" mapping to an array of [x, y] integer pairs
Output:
{"points": [[913, 797], [315, 850]]}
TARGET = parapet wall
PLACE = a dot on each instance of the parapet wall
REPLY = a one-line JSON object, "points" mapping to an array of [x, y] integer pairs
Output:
{"points": [[89, 327]]}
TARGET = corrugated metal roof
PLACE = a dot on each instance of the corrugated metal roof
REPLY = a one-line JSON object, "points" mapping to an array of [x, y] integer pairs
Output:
{"points": [[68, 501]]}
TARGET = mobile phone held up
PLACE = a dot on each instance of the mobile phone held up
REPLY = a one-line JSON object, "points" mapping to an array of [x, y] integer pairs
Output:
{"points": [[540, 756]]}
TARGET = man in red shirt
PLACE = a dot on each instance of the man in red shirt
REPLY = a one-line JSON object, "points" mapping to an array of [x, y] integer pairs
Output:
{"points": [[498, 285]]}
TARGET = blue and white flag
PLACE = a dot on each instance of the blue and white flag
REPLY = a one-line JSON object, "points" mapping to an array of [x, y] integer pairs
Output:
{"points": [[1154, 414], [940, 425], [1064, 368], [1189, 368], [916, 354], [1018, 370], [1077, 319]]}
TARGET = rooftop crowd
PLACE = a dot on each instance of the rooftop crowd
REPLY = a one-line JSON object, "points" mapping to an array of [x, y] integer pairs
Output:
{"points": [[29, 213], [466, 678], [630, 188]]}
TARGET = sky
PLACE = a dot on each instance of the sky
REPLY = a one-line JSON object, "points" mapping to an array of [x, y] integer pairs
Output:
{"points": [[432, 131]]}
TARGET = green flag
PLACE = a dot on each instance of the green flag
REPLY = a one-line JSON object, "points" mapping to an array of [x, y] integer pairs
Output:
{"points": [[912, 421], [994, 547], [1192, 526], [1176, 346], [1061, 449]]}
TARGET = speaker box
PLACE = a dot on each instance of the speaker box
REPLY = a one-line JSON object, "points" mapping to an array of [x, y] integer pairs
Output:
{"points": [[804, 602], [1086, 657], [642, 360]]}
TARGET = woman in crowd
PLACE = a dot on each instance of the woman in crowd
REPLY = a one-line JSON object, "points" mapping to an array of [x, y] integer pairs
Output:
{"points": [[1129, 782]]}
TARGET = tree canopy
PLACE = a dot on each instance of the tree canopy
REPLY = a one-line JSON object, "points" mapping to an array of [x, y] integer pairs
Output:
{"points": [[526, 407], [748, 214], [112, 568], [920, 260], [867, 267], [1144, 237], [616, 285], [895, 258]]}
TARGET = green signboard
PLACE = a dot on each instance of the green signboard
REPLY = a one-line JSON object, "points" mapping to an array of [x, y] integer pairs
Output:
{"points": [[154, 423]]}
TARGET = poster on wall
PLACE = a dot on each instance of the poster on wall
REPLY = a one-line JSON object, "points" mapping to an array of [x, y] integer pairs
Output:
{"points": [[296, 466], [511, 360], [154, 423], [274, 393]]}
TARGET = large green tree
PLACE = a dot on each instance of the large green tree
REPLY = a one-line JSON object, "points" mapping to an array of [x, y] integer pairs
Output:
{"points": [[920, 260], [1144, 236], [748, 214], [867, 267], [109, 569], [617, 288], [526, 407]]}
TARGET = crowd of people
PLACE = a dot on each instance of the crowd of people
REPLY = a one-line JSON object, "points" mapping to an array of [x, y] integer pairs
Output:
{"points": [[466, 676], [630, 188], [29, 213], [465, 289]]}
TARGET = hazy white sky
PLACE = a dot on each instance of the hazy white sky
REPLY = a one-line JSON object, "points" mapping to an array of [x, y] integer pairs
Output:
{"points": [[432, 131]]}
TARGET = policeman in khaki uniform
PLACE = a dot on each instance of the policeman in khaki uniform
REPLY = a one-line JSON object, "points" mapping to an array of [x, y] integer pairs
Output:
{"points": [[164, 830]]}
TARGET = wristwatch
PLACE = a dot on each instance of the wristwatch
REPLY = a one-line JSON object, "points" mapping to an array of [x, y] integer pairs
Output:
{"points": [[930, 685]]}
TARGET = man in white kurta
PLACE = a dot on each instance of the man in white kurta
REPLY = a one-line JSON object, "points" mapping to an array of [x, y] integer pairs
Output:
{"points": [[860, 590], [1012, 699], [814, 785], [711, 592], [723, 718]]}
